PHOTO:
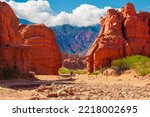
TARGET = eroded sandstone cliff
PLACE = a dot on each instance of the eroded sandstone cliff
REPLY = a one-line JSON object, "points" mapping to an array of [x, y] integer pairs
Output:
{"points": [[27, 48], [13, 53], [45, 55], [123, 33]]}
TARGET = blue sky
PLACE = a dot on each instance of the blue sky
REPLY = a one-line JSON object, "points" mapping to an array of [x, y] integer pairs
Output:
{"points": [[69, 5], [73, 12]]}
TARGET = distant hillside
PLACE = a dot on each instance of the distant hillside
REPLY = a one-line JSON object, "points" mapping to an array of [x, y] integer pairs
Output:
{"points": [[23, 21], [73, 39]]}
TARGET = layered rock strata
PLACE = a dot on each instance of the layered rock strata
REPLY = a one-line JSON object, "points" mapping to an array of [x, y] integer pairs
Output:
{"points": [[45, 55], [13, 53]]}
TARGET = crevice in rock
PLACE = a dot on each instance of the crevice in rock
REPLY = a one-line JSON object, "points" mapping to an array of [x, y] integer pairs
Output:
{"points": [[123, 31]]}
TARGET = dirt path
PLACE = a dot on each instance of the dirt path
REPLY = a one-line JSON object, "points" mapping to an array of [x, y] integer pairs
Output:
{"points": [[126, 86]]}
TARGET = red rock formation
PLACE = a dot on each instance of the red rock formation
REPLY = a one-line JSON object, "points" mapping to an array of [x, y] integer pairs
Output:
{"points": [[45, 54], [74, 61], [8, 26], [123, 33], [13, 53], [128, 10], [21, 26]]}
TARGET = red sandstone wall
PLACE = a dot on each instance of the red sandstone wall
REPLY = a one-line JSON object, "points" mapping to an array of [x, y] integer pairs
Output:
{"points": [[123, 33], [13, 53], [45, 55]]}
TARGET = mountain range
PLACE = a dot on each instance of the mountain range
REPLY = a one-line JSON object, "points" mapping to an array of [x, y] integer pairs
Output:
{"points": [[73, 39]]}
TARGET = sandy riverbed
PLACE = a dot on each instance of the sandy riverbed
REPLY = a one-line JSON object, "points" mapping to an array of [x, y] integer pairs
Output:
{"points": [[80, 87]]}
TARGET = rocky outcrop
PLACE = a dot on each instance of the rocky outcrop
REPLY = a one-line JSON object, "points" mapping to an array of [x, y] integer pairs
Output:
{"points": [[123, 33], [74, 61], [13, 53], [45, 54], [42, 57]]}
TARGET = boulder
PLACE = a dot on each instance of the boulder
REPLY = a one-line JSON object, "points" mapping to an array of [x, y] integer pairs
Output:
{"points": [[45, 55]]}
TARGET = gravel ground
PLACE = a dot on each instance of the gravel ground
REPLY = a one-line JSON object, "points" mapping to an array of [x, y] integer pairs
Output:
{"points": [[90, 92], [125, 87]]}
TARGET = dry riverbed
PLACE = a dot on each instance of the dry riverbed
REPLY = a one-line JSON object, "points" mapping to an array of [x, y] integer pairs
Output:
{"points": [[80, 87]]}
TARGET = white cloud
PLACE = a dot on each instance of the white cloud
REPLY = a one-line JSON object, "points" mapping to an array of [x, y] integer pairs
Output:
{"points": [[39, 11]]}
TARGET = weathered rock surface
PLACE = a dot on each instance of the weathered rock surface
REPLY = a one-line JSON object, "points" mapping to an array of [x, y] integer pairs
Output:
{"points": [[45, 54], [123, 33], [74, 61], [8, 26], [13, 53]]}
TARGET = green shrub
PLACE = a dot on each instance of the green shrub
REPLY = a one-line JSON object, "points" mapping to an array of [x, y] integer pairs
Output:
{"points": [[68, 71], [64, 71], [144, 71], [95, 73], [80, 71], [9, 73], [120, 65], [140, 64]]}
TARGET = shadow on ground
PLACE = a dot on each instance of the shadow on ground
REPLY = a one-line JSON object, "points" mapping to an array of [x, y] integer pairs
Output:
{"points": [[30, 84]]}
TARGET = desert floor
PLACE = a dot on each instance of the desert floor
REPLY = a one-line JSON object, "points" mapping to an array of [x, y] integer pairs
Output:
{"points": [[80, 87]]}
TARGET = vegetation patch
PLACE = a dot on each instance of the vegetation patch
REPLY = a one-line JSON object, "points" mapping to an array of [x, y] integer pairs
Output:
{"points": [[68, 71], [96, 73], [141, 64]]}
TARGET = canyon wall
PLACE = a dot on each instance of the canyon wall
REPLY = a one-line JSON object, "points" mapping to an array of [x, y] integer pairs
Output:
{"points": [[123, 33], [27, 48], [13, 53], [45, 55]]}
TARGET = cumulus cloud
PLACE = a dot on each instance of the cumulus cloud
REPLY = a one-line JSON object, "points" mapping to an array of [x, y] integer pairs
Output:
{"points": [[39, 11], [83, 15]]}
